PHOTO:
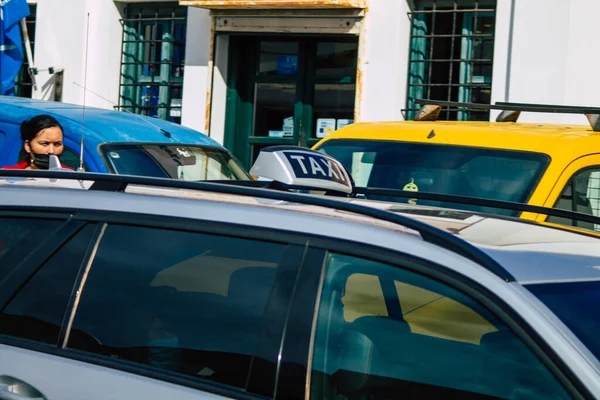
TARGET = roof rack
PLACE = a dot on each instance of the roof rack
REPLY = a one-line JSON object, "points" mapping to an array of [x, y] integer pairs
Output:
{"points": [[510, 111], [118, 183], [476, 201], [448, 198]]}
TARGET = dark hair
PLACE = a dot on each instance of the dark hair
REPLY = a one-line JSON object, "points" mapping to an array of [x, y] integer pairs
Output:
{"points": [[31, 127]]}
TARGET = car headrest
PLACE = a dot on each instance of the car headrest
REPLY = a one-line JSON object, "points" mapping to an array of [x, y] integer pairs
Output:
{"points": [[355, 354], [377, 325]]}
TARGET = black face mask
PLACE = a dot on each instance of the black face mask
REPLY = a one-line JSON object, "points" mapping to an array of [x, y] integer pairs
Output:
{"points": [[42, 161]]}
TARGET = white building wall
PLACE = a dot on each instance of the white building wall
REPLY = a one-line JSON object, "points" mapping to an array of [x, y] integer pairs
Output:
{"points": [[383, 61], [60, 42], [197, 72], [548, 57]]}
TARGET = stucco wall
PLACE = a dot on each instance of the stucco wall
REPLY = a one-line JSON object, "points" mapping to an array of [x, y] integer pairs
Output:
{"points": [[60, 41], [548, 57]]}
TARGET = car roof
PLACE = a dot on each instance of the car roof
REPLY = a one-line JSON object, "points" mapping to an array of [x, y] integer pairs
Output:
{"points": [[566, 141], [101, 125], [529, 251]]}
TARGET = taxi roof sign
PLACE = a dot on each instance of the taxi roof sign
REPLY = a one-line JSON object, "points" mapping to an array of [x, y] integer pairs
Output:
{"points": [[301, 167]]}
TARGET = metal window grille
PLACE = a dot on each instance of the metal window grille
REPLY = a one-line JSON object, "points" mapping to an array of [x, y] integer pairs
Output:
{"points": [[451, 55], [23, 84], [152, 62]]}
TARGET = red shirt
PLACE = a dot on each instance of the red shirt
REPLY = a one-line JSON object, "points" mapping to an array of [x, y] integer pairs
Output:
{"points": [[21, 165], [24, 164]]}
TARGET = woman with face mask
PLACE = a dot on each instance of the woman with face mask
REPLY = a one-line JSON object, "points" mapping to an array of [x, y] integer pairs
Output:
{"points": [[42, 136]]}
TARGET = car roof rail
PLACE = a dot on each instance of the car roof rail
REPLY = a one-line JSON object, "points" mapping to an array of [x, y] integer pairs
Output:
{"points": [[431, 234], [511, 111], [482, 202]]}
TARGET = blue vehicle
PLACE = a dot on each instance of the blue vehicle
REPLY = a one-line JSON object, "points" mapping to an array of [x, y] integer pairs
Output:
{"points": [[120, 143]]}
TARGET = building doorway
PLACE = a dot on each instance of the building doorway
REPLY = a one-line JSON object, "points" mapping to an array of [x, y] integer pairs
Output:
{"points": [[287, 90]]}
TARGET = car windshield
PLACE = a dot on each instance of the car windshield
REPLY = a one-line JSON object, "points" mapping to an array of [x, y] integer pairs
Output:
{"points": [[184, 162], [575, 303], [448, 169]]}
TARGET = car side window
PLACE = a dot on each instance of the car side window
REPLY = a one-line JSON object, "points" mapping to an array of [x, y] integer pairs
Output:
{"points": [[183, 301], [38, 309], [70, 159], [383, 332], [19, 236], [581, 194]]}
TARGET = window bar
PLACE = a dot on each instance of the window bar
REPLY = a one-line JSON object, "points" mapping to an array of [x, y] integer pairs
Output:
{"points": [[487, 85], [431, 47], [171, 58], [461, 10], [472, 51], [119, 107], [454, 35], [463, 60], [157, 69], [139, 47], [450, 70], [158, 19]]}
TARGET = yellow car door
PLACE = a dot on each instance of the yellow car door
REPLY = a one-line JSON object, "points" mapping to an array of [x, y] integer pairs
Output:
{"points": [[577, 189]]}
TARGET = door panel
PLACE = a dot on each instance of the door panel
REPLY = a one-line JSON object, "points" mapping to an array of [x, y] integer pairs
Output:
{"points": [[288, 90], [37, 311], [195, 306], [386, 332], [59, 378], [586, 196]]}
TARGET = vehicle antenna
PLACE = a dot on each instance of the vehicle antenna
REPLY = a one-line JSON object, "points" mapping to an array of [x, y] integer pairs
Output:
{"points": [[87, 37]]}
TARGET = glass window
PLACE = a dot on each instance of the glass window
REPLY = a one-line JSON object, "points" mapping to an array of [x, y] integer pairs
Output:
{"points": [[383, 333], [336, 60], [333, 107], [274, 109], [187, 302], [278, 58], [38, 310], [456, 170], [451, 55], [581, 194], [153, 60], [70, 159], [20, 236], [575, 304], [189, 163]]}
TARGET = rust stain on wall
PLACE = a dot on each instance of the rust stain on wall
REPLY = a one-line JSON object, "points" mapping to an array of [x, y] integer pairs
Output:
{"points": [[241, 4], [211, 64], [362, 44]]}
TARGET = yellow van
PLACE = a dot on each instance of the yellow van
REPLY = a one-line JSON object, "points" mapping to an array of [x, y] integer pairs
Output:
{"points": [[539, 164]]}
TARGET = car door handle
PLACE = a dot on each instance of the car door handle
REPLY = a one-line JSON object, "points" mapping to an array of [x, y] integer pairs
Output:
{"points": [[15, 389]]}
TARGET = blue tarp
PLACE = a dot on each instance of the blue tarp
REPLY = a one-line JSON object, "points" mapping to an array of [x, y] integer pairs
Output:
{"points": [[11, 48]]}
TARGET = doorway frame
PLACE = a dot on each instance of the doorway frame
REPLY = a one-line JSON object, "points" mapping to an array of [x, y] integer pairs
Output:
{"points": [[239, 108]]}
